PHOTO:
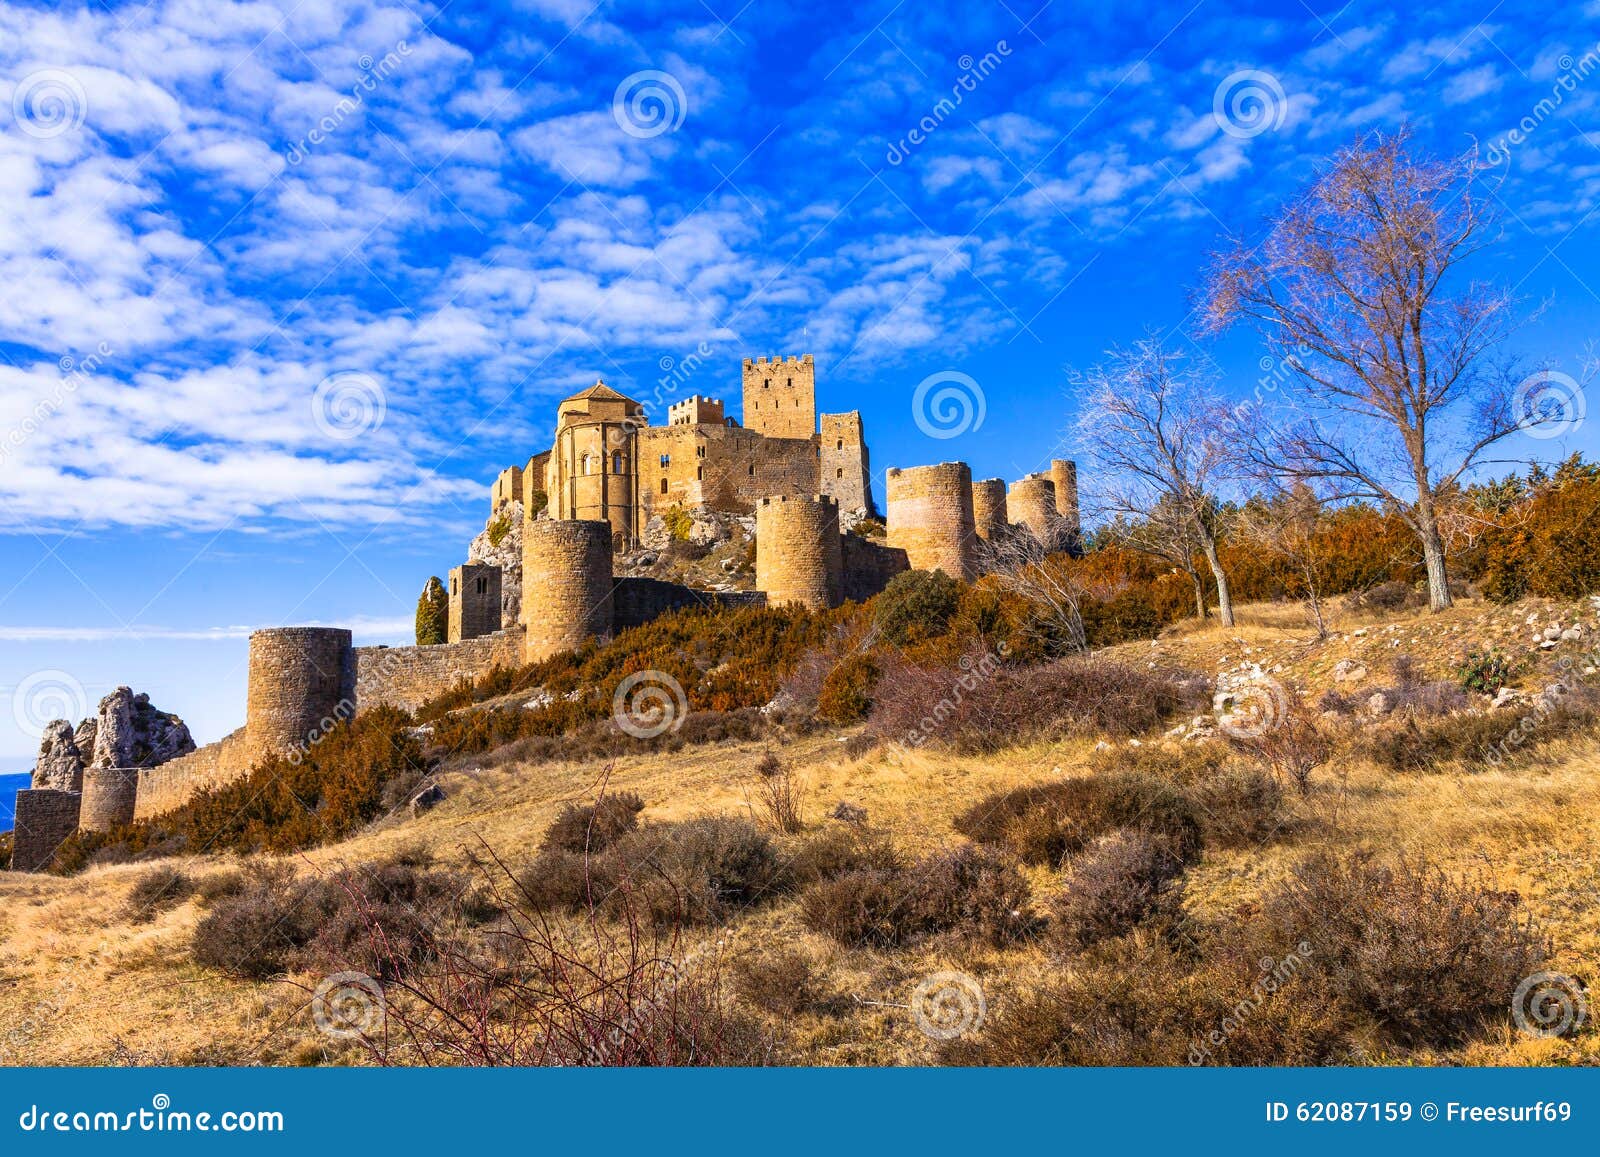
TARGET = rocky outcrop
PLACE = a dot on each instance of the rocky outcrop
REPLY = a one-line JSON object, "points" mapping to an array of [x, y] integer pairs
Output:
{"points": [[505, 525], [126, 731], [60, 766]]}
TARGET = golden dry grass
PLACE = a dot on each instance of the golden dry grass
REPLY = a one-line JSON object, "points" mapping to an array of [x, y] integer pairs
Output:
{"points": [[80, 984]]}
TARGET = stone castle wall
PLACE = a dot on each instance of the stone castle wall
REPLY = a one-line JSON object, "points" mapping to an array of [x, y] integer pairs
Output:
{"points": [[869, 565], [566, 585], [780, 396], [299, 677], [1032, 503], [163, 788], [989, 515], [637, 601], [45, 819], [109, 797], [725, 467], [407, 677], [931, 518], [799, 558]]}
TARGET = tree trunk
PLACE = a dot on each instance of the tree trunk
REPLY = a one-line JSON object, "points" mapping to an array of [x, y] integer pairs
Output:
{"points": [[1199, 595], [1224, 599], [1433, 556]]}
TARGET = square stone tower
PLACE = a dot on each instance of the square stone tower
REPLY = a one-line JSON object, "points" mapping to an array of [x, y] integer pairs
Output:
{"points": [[780, 397], [845, 466], [474, 601]]}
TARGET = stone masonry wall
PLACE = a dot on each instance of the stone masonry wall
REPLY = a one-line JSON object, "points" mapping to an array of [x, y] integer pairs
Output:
{"points": [[868, 566], [299, 676], [166, 787], [45, 819], [1064, 475], [780, 397], [474, 590], [637, 601], [109, 795], [1032, 503], [408, 677], [931, 519], [989, 516], [798, 555], [846, 467], [566, 585]]}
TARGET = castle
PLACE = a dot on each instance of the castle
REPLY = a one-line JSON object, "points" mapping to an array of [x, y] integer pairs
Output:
{"points": [[607, 473], [608, 464]]}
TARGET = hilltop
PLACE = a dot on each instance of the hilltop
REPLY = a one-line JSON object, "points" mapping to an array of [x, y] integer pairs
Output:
{"points": [[83, 980]]}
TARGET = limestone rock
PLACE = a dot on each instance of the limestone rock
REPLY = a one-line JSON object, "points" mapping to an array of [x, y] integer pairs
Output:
{"points": [[506, 554], [60, 765], [1348, 671], [131, 733], [1378, 703], [430, 796]]}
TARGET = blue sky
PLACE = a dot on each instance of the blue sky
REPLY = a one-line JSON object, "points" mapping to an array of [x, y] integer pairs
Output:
{"points": [[285, 284]]}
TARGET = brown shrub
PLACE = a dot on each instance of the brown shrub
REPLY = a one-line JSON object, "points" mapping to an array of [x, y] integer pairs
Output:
{"points": [[1240, 807], [837, 850], [593, 827], [972, 892], [1044, 823], [845, 696], [1426, 955], [980, 705], [779, 795], [1494, 739], [158, 890], [1178, 763], [783, 982], [1118, 882], [1291, 745]]}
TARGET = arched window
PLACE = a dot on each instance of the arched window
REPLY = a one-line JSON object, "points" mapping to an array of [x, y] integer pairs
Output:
{"points": [[586, 464], [663, 486], [700, 473], [839, 473], [839, 445], [616, 462], [752, 470]]}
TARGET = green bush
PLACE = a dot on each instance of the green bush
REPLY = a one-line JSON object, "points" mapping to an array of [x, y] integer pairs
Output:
{"points": [[499, 526], [679, 523], [1486, 670], [433, 614], [917, 605]]}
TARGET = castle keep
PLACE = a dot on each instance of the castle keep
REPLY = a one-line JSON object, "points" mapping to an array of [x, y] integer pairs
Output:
{"points": [[803, 482]]}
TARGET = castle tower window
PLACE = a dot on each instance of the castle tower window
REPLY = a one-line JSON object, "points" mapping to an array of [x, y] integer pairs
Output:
{"points": [[752, 470], [700, 473], [839, 445], [616, 462], [699, 451], [455, 586], [666, 459], [839, 473], [765, 383], [663, 486]]}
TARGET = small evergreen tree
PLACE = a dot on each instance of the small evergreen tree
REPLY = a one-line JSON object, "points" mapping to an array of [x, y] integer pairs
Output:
{"points": [[433, 614]]}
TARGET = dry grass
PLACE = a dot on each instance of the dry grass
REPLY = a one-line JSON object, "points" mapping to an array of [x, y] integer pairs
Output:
{"points": [[80, 983]]}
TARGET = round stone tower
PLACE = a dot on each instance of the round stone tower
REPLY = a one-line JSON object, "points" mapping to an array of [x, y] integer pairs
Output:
{"points": [[799, 556], [1032, 503], [301, 681], [109, 796], [1065, 476], [930, 518], [566, 585], [989, 508]]}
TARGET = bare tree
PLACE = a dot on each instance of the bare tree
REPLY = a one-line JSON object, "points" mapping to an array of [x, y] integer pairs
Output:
{"points": [[1356, 292], [1022, 568], [1285, 524], [1153, 431]]}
